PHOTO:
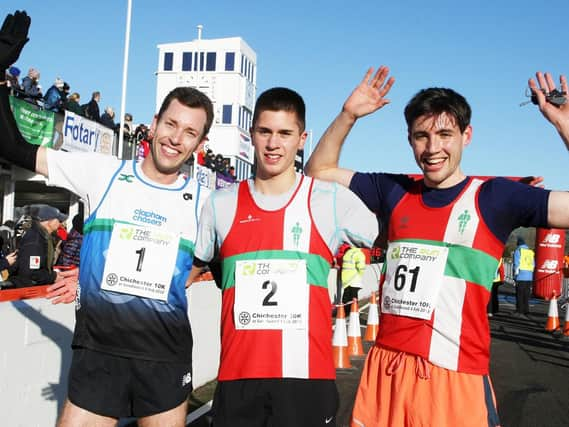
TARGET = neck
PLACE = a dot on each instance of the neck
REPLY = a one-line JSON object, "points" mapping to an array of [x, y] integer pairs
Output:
{"points": [[450, 181], [275, 185]]}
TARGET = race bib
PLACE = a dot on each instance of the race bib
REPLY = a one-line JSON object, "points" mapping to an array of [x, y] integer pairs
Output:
{"points": [[140, 261], [271, 294], [413, 279]]}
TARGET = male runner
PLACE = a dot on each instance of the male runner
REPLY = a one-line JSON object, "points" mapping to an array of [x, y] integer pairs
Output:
{"points": [[132, 344], [446, 234], [276, 235]]}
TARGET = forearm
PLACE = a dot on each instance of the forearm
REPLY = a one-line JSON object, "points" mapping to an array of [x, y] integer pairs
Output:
{"points": [[323, 162], [13, 146]]}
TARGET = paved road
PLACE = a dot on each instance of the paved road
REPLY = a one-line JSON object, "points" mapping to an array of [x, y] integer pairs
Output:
{"points": [[529, 368]]}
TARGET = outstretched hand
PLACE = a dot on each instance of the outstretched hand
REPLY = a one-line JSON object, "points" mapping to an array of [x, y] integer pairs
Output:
{"points": [[64, 290], [13, 37], [369, 95], [557, 115]]}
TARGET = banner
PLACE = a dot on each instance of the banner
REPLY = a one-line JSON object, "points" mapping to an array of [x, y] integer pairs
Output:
{"points": [[223, 181], [205, 176], [35, 125], [81, 134]]}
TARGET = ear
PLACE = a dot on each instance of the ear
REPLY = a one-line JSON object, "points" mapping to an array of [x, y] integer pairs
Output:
{"points": [[302, 141], [467, 136], [201, 144], [152, 130]]}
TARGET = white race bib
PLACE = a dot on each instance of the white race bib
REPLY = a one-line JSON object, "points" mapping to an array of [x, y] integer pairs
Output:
{"points": [[140, 261], [271, 294], [413, 279]]}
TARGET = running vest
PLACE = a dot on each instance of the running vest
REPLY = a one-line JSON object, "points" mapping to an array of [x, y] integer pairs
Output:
{"points": [[264, 255], [136, 254], [440, 267]]}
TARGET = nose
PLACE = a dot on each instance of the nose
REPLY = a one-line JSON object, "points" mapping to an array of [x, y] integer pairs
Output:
{"points": [[272, 141], [176, 136], [434, 145]]}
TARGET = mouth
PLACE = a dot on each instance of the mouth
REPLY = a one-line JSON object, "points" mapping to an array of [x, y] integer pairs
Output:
{"points": [[272, 158], [433, 164], [169, 151]]}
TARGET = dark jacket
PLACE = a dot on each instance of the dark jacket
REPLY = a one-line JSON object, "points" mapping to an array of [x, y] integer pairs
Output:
{"points": [[53, 101], [34, 265], [107, 120], [74, 107], [92, 111]]}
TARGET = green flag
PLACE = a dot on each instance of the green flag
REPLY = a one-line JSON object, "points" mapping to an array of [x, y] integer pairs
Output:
{"points": [[35, 125]]}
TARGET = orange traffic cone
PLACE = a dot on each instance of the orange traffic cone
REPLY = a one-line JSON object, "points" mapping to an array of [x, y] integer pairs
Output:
{"points": [[552, 316], [372, 320], [355, 347], [340, 341]]}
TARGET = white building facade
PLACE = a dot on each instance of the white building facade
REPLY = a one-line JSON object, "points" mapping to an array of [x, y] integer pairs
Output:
{"points": [[225, 70]]}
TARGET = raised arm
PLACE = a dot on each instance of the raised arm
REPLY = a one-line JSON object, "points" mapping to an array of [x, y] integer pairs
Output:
{"points": [[558, 116], [367, 97], [13, 146]]}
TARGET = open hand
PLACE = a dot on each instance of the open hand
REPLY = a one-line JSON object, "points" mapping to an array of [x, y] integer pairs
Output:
{"points": [[369, 95], [13, 37]]}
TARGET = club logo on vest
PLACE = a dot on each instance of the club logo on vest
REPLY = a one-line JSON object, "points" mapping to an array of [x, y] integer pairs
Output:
{"points": [[463, 219], [296, 231], [187, 196], [403, 221]]}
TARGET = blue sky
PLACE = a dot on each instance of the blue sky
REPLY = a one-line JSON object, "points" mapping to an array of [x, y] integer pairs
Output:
{"points": [[485, 50]]}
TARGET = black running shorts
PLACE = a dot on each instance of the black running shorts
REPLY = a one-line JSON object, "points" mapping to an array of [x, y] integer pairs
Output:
{"points": [[115, 386], [281, 402]]}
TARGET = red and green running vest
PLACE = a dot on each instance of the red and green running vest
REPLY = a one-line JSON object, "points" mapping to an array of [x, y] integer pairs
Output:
{"points": [[256, 237], [456, 336]]}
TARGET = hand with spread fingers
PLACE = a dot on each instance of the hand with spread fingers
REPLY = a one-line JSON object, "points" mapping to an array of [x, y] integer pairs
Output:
{"points": [[64, 290], [13, 37], [557, 115], [369, 95]]}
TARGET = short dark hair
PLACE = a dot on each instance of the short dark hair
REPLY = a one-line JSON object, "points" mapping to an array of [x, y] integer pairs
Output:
{"points": [[190, 97], [281, 99], [435, 101]]}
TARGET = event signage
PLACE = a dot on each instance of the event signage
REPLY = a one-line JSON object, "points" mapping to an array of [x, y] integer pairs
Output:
{"points": [[81, 134], [36, 126]]}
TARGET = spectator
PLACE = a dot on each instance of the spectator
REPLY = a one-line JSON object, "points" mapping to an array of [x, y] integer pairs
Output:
{"points": [[494, 305], [53, 99], [524, 263], [34, 265], [12, 77], [72, 104], [108, 118], [353, 268], [8, 237], [91, 109], [71, 247], [30, 86]]}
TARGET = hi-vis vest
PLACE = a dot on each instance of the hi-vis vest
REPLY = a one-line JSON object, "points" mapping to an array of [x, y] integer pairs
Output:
{"points": [[440, 267], [263, 256], [353, 267], [526, 259]]}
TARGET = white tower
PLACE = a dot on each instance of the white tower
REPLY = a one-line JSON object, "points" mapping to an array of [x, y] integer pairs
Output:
{"points": [[225, 70]]}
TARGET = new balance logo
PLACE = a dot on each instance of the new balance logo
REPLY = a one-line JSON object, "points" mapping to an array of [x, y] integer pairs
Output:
{"points": [[550, 264], [551, 238], [186, 379]]}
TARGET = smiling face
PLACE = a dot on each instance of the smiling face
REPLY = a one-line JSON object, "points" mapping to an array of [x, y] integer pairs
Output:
{"points": [[437, 144], [176, 135], [277, 137]]}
